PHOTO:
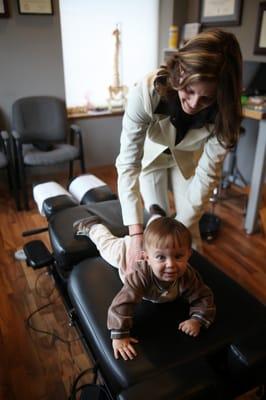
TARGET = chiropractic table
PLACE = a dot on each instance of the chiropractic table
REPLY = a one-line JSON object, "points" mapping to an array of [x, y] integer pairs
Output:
{"points": [[224, 361]]}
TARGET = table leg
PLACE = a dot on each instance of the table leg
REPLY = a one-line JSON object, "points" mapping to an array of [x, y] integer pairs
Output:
{"points": [[257, 180]]}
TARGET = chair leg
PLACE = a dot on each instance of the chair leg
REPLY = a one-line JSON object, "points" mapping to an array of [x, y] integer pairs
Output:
{"points": [[70, 170], [23, 182], [25, 190], [82, 161], [81, 155], [82, 164], [12, 172], [12, 180]]}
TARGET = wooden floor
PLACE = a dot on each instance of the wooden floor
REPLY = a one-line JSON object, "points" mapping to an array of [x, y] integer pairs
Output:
{"points": [[38, 366]]}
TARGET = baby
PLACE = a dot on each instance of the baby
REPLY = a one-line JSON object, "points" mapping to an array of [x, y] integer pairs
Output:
{"points": [[163, 275]]}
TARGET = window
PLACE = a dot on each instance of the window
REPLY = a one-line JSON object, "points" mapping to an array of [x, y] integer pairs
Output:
{"points": [[88, 45]]}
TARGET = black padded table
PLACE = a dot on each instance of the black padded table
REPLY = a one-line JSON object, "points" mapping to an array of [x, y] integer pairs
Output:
{"points": [[164, 353], [223, 362]]}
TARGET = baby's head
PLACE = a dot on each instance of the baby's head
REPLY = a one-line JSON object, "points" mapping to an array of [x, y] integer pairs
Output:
{"points": [[167, 248]]}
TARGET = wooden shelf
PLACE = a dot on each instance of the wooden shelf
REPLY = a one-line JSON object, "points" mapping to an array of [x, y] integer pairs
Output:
{"points": [[94, 114], [250, 112]]}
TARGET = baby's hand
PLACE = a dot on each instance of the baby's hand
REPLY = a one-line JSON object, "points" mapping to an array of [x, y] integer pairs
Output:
{"points": [[190, 327], [124, 348]]}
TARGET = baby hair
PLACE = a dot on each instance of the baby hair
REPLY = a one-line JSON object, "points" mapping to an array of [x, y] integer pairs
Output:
{"points": [[166, 232]]}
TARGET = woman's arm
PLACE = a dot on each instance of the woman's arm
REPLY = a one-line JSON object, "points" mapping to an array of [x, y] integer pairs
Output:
{"points": [[206, 177], [135, 250], [135, 123]]}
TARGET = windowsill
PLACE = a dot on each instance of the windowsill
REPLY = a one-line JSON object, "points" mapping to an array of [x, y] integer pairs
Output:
{"points": [[79, 113]]}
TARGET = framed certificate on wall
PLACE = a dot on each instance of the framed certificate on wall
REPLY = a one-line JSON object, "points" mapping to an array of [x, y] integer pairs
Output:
{"points": [[260, 39], [39, 7], [220, 13], [3, 9]]}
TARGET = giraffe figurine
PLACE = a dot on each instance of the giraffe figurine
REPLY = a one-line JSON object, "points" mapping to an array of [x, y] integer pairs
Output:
{"points": [[117, 92]]}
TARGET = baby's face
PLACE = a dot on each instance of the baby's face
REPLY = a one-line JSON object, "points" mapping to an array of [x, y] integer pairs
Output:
{"points": [[168, 264]]}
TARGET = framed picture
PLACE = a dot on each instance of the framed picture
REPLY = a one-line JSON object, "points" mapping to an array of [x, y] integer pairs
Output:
{"points": [[35, 7], [3, 9], [260, 38], [220, 13]]}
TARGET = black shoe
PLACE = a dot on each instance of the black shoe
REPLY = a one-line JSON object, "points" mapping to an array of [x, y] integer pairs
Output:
{"points": [[82, 226], [157, 210]]}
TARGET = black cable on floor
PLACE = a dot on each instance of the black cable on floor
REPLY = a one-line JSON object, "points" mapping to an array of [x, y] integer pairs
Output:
{"points": [[54, 335], [36, 288], [75, 389]]}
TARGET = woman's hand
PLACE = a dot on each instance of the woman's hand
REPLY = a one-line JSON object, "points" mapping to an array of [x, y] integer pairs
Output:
{"points": [[190, 327], [135, 250], [124, 348]]}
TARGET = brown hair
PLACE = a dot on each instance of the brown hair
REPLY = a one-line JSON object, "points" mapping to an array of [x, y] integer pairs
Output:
{"points": [[213, 55], [165, 232]]}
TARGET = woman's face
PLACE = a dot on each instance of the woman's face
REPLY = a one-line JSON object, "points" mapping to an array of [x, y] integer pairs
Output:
{"points": [[196, 96]]}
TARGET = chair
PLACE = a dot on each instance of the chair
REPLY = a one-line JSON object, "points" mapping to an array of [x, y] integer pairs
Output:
{"points": [[7, 163], [40, 133]]}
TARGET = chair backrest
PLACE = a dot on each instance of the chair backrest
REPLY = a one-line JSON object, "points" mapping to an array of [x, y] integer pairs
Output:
{"points": [[41, 118]]}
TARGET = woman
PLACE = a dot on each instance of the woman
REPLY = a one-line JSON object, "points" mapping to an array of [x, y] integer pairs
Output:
{"points": [[178, 125]]}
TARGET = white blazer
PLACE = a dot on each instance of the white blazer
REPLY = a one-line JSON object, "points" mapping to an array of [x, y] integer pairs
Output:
{"points": [[145, 136]]}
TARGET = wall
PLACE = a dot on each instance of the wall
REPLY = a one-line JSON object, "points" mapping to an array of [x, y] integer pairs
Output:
{"points": [[31, 62], [101, 139], [166, 19], [171, 12]]}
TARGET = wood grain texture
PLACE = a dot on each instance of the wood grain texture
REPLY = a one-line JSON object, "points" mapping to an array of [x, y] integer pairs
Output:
{"points": [[36, 366]]}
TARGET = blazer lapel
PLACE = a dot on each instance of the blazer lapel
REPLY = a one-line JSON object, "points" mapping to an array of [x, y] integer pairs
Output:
{"points": [[193, 139]]}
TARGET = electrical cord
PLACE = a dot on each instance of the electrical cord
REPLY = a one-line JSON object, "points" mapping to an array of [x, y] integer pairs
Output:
{"points": [[55, 337], [75, 388], [36, 288], [52, 334], [92, 385]]}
